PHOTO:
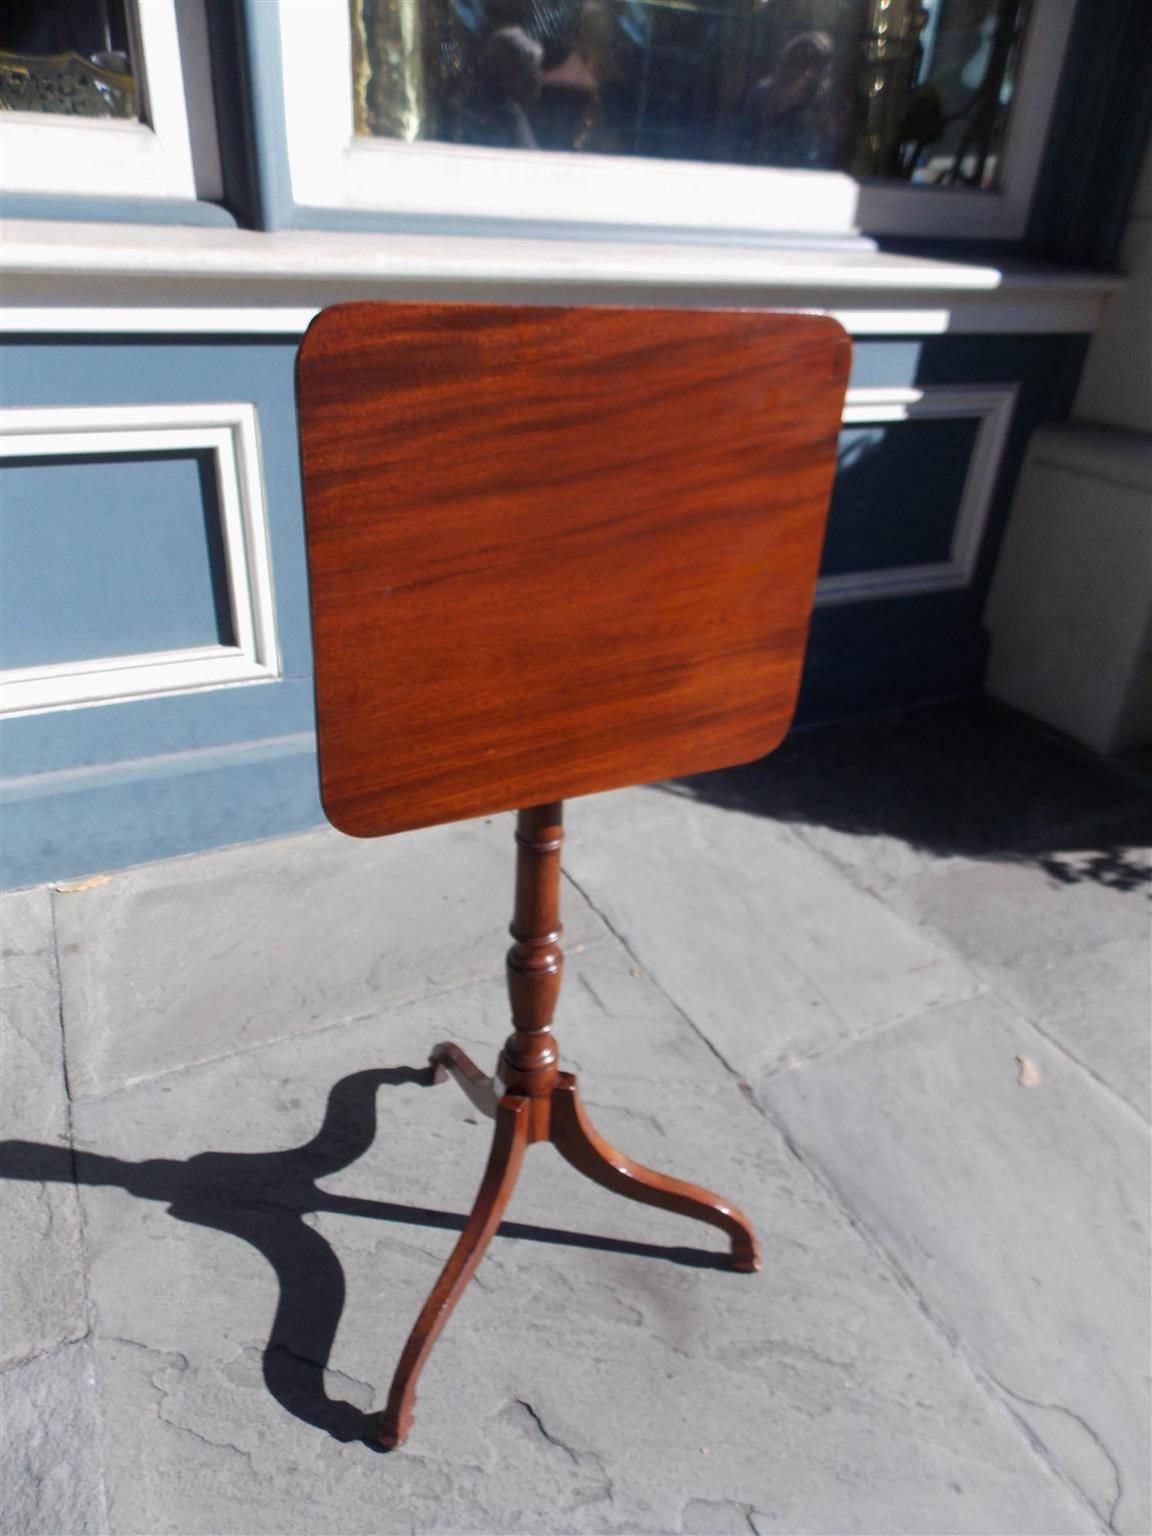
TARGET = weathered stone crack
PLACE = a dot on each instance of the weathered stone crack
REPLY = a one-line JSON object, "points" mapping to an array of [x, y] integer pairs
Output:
{"points": [[544, 1431], [704, 1507], [1108, 1516], [216, 1445], [579, 1459], [86, 1297]]}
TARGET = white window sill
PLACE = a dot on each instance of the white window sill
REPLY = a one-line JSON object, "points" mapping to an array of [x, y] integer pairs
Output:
{"points": [[99, 277]]}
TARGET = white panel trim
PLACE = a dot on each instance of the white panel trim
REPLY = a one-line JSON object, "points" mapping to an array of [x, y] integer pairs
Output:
{"points": [[100, 157], [1076, 315], [992, 405], [331, 166], [228, 430]]}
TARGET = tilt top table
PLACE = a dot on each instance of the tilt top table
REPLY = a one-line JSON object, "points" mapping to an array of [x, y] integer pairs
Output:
{"points": [[554, 551]]}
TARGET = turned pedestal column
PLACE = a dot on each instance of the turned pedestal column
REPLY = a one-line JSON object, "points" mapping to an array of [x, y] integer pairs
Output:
{"points": [[532, 1100]]}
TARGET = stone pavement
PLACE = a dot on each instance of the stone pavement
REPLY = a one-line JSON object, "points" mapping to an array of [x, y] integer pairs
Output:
{"points": [[887, 990]]}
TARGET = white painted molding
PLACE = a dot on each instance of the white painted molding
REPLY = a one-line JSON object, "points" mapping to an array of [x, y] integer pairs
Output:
{"points": [[101, 277], [331, 166], [992, 406], [228, 430], [99, 157], [1074, 316]]}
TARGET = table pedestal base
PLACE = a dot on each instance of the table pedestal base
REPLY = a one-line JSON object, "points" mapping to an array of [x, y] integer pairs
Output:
{"points": [[521, 1120]]}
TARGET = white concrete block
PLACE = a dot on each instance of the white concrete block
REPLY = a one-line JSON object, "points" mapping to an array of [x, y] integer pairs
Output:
{"points": [[1116, 385], [1070, 602]]}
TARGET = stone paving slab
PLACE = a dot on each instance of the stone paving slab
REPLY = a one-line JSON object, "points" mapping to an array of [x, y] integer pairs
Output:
{"points": [[178, 962], [1024, 854], [51, 1476], [41, 1275], [607, 1381], [950, 1330], [1019, 1213], [1065, 939], [773, 954]]}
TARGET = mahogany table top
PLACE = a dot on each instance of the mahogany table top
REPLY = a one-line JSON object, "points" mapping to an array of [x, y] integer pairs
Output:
{"points": [[555, 551]]}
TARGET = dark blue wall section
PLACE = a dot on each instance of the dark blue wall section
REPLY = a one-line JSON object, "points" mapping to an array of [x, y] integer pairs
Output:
{"points": [[1047, 369], [898, 489], [101, 787], [867, 657], [105, 556], [890, 652]]}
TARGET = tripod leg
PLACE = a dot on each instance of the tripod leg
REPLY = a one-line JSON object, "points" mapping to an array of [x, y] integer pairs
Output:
{"points": [[577, 1140], [508, 1144], [448, 1059]]}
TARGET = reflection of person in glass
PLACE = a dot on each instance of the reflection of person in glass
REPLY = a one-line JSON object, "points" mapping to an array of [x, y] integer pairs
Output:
{"points": [[789, 113], [507, 85]]}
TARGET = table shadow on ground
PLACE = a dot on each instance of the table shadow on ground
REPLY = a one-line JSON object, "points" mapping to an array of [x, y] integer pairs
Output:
{"points": [[966, 778], [263, 1197]]}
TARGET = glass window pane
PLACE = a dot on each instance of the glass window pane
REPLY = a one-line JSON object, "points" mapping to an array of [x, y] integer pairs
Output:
{"points": [[71, 57], [916, 90]]}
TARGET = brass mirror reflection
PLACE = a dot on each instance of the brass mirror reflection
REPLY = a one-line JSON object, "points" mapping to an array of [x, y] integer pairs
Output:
{"points": [[910, 90]]}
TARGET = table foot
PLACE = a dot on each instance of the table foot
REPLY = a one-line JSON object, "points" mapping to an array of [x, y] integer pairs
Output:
{"points": [[508, 1144], [577, 1140], [449, 1060]]}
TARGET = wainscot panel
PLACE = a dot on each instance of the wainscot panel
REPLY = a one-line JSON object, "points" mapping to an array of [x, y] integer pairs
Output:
{"points": [[107, 555], [139, 563]]}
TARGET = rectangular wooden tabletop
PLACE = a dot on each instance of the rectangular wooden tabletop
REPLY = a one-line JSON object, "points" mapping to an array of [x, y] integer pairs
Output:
{"points": [[554, 551]]}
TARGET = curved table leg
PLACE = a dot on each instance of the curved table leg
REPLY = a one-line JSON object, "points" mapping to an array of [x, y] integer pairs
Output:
{"points": [[577, 1140], [447, 1058], [508, 1144]]}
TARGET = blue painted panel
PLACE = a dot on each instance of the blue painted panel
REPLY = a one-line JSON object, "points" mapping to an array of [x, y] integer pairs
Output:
{"points": [[109, 556], [86, 370], [102, 787], [107, 818], [115, 210], [75, 740], [879, 364], [267, 123], [897, 493]]}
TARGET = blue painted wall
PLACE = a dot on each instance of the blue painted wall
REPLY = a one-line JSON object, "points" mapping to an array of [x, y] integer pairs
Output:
{"points": [[96, 788], [110, 785]]}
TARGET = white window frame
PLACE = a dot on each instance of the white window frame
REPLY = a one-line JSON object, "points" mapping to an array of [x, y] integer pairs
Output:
{"points": [[111, 157], [331, 166], [991, 405], [228, 430]]}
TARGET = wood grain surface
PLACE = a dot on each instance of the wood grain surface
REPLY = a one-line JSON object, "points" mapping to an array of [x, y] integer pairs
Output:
{"points": [[555, 551]]}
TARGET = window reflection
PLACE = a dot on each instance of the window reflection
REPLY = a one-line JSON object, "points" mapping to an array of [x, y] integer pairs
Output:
{"points": [[916, 90], [69, 57]]}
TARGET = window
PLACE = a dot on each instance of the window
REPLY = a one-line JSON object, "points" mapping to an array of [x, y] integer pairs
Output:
{"points": [[910, 90], [106, 98], [71, 59], [812, 116]]}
